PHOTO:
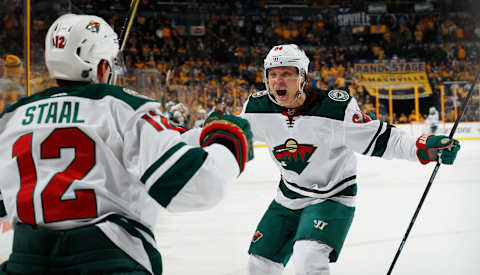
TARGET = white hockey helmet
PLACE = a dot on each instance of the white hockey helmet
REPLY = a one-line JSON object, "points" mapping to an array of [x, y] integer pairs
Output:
{"points": [[75, 45], [287, 55], [432, 110]]}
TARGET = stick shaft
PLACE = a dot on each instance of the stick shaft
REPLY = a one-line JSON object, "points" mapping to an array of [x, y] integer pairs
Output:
{"points": [[128, 24], [465, 105], [432, 177]]}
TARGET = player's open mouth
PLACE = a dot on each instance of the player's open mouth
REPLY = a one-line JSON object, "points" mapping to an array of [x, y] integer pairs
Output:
{"points": [[281, 92]]}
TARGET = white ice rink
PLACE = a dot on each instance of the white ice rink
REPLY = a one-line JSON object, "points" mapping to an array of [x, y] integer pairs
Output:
{"points": [[444, 241]]}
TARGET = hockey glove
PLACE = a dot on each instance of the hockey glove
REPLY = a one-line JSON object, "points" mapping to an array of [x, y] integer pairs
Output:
{"points": [[232, 132], [429, 147], [213, 116]]}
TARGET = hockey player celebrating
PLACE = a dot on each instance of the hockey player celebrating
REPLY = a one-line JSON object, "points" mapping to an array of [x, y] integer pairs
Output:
{"points": [[312, 137], [85, 165]]}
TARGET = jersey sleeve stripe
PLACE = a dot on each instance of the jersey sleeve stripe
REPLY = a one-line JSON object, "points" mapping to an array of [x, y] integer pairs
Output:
{"points": [[382, 142], [160, 161], [374, 137], [177, 176], [165, 166], [153, 123]]}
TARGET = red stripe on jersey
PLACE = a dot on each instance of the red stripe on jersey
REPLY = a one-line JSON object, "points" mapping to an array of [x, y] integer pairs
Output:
{"points": [[153, 122], [165, 122]]}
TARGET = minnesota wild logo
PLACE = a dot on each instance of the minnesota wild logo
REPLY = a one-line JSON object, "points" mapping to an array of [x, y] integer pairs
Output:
{"points": [[93, 26], [293, 156], [338, 95]]}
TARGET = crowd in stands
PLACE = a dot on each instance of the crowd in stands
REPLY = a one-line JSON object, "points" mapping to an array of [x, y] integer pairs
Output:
{"points": [[223, 58]]}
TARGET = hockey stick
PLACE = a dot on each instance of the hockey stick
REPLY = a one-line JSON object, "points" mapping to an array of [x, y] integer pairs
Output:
{"points": [[119, 61], [432, 177], [128, 24]]}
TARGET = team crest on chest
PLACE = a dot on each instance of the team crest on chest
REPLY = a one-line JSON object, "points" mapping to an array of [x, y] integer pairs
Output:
{"points": [[338, 95], [294, 156]]}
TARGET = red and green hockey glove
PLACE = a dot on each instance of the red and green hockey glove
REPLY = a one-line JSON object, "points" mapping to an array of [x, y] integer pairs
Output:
{"points": [[232, 132], [429, 147], [213, 116]]}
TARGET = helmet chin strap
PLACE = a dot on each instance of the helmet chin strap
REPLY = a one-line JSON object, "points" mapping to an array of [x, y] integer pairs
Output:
{"points": [[301, 85]]}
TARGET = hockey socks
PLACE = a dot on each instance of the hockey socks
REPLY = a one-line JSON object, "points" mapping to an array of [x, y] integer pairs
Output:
{"points": [[232, 132], [430, 146]]}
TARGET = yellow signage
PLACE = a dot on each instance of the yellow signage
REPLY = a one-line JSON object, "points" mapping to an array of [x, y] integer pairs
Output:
{"points": [[401, 77]]}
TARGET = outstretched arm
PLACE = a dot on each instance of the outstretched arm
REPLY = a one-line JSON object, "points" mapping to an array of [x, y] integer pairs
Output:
{"points": [[381, 139], [180, 177]]}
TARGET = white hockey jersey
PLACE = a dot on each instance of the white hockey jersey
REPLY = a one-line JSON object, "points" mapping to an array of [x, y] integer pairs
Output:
{"points": [[432, 118], [72, 156], [314, 146]]}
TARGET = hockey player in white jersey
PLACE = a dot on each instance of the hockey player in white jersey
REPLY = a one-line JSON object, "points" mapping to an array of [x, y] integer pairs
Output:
{"points": [[312, 137], [85, 165], [432, 120]]}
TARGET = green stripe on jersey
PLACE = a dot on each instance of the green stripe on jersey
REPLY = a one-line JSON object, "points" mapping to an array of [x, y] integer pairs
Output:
{"points": [[374, 137], [160, 161], [131, 227], [131, 222], [94, 91], [175, 178], [382, 142], [317, 104], [289, 193], [350, 190]]}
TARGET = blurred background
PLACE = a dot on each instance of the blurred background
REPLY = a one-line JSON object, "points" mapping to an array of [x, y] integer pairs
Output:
{"points": [[398, 58]]}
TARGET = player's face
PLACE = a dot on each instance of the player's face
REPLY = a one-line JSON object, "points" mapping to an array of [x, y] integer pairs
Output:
{"points": [[283, 82]]}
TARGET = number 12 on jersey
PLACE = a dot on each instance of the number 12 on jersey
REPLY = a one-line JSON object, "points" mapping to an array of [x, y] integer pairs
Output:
{"points": [[53, 207]]}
